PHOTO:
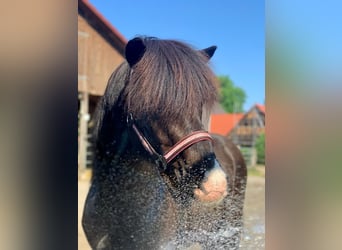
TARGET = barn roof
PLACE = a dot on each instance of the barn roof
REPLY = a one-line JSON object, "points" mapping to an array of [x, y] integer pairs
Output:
{"points": [[102, 25], [223, 123], [261, 108]]}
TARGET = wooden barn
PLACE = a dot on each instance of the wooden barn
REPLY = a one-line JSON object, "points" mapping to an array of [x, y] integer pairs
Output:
{"points": [[249, 127], [100, 50], [242, 128]]}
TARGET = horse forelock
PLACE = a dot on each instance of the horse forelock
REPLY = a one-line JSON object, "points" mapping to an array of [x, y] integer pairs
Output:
{"points": [[171, 81]]}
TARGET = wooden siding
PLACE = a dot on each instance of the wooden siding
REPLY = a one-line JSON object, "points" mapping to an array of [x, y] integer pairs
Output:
{"points": [[249, 128], [97, 59]]}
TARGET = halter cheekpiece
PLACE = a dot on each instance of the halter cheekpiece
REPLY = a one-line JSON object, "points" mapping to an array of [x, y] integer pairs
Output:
{"points": [[183, 144]]}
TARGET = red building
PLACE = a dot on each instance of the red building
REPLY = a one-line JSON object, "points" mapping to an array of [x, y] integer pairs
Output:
{"points": [[242, 128]]}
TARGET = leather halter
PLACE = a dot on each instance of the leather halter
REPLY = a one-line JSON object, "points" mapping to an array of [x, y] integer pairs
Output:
{"points": [[179, 147]]}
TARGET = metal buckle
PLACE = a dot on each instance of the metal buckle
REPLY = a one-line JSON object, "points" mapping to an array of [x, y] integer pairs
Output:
{"points": [[161, 162], [129, 119]]}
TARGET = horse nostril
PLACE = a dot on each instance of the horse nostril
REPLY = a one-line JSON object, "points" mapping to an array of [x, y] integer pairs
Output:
{"points": [[213, 187]]}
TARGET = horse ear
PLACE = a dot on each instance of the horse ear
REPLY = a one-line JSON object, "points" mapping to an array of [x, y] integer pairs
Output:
{"points": [[209, 52], [134, 51]]}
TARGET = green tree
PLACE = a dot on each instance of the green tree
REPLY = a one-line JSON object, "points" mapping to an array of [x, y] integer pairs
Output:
{"points": [[232, 97], [260, 148]]}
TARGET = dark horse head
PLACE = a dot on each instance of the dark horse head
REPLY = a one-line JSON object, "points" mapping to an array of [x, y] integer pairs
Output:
{"points": [[153, 157]]}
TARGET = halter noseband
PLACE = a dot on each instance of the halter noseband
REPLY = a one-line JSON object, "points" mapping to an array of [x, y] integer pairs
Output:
{"points": [[179, 147]]}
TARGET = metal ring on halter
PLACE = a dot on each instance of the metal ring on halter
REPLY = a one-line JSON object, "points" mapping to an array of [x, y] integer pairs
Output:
{"points": [[129, 119], [183, 144]]}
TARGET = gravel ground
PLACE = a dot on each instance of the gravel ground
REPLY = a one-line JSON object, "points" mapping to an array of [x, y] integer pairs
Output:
{"points": [[83, 187], [254, 215]]}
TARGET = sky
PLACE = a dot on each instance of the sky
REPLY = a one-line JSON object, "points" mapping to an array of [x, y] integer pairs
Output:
{"points": [[236, 27]]}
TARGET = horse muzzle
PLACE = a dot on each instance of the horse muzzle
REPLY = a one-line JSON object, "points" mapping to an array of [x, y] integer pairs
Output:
{"points": [[214, 185]]}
